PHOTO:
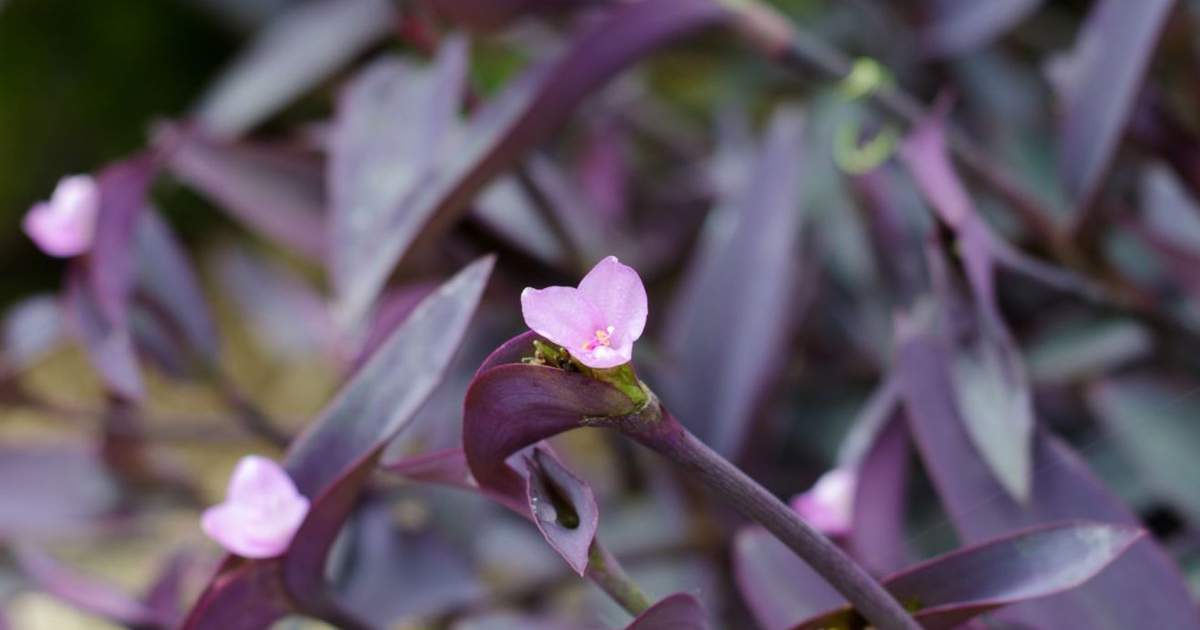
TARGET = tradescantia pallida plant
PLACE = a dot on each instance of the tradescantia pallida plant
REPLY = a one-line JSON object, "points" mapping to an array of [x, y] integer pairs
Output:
{"points": [[591, 359]]}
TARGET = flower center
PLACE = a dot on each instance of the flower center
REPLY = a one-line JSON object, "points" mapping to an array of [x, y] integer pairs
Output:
{"points": [[602, 337]]}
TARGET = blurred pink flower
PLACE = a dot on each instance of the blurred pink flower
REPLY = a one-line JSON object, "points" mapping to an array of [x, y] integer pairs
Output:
{"points": [[65, 225], [261, 512], [829, 505], [598, 322]]}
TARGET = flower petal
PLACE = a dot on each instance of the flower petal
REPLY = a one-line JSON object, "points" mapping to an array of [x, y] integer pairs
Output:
{"points": [[828, 506], [606, 357], [239, 529], [618, 293], [259, 480], [561, 315]]}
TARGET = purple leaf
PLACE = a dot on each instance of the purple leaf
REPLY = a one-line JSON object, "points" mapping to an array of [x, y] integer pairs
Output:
{"points": [[397, 573], [1144, 588], [960, 26], [522, 116], [1154, 423], [486, 15], [333, 458], [878, 538], [275, 193], [45, 493], [109, 347], [1098, 82], [166, 279], [562, 507], [30, 329], [84, 592], [241, 596], [165, 596], [285, 313], [777, 586], [394, 123], [738, 308], [447, 467], [509, 407], [680, 611], [294, 54], [949, 590]]}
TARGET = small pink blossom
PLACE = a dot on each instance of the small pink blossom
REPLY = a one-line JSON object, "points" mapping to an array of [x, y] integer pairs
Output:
{"points": [[261, 512], [65, 225], [829, 505], [597, 322]]}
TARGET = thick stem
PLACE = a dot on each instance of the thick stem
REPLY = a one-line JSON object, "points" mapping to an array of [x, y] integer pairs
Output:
{"points": [[753, 501], [604, 570]]}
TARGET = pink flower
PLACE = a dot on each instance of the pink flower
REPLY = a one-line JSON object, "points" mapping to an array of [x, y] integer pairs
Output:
{"points": [[829, 505], [261, 512], [65, 225], [598, 322]]}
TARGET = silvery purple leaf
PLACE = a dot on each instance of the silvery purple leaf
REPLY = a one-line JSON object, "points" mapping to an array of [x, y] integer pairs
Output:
{"points": [[1097, 84], [30, 329], [47, 493], [523, 115], [736, 311], [394, 123], [1154, 423], [949, 590], [777, 586], [292, 55], [273, 191], [1143, 587], [681, 611], [960, 26], [333, 458]]}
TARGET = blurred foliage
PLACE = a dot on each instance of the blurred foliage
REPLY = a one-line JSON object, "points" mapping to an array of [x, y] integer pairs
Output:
{"points": [[79, 84]]}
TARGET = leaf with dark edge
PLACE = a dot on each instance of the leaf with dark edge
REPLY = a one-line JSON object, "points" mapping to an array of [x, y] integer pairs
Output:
{"points": [[1143, 588], [522, 116], [738, 308], [562, 507], [166, 279], [295, 53], [332, 459], [394, 123], [84, 592], [274, 192], [949, 590], [959, 26], [1098, 83], [680, 611], [1154, 423]]}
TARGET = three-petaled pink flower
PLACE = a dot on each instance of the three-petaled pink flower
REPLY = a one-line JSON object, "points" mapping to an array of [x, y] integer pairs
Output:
{"points": [[597, 322], [829, 505], [65, 225], [261, 512]]}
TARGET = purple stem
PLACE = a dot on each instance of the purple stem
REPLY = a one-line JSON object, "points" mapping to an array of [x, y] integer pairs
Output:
{"points": [[666, 436]]}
